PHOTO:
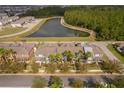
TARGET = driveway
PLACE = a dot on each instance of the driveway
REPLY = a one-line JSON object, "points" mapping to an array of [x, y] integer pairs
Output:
{"points": [[107, 52]]}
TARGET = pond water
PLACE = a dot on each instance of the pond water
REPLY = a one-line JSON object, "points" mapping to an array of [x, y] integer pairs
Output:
{"points": [[53, 28]]}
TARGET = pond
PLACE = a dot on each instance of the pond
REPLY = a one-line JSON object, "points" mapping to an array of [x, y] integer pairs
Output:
{"points": [[53, 28]]}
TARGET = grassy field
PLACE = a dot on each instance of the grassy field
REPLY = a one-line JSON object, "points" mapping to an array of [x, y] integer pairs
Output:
{"points": [[10, 30], [46, 39], [58, 39], [115, 52]]}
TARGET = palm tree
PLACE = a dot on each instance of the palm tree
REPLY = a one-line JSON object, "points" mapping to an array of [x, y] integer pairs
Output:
{"points": [[3, 54], [52, 58], [69, 55], [64, 68], [51, 67], [112, 67], [39, 82], [79, 55], [11, 54], [88, 54], [118, 81], [76, 83], [84, 67], [80, 52], [55, 82], [58, 57]]}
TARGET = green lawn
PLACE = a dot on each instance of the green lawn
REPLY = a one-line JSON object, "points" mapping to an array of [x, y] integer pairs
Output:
{"points": [[115, 52], [49, 39], [58, 39], [93, 66], [10, 30]]}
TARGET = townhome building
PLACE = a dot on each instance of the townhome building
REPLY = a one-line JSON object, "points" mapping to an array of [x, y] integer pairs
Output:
{"points": [[22, 53]]}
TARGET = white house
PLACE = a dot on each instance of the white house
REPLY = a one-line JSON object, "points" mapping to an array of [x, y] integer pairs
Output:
{"points": [[86, 50], [39, 57], [96, 54]]}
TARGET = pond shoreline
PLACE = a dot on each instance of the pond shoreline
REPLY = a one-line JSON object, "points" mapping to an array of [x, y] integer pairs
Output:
{"points": [[91, 32]]}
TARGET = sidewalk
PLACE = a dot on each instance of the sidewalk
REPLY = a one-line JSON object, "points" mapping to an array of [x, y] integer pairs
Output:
{"points": [[68, 74]]}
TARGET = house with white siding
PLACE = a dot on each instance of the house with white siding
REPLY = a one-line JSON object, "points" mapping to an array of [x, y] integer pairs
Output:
{"points": [[96, 54]]}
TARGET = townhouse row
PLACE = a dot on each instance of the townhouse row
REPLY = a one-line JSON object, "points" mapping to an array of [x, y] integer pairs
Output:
{"points": [[14, 21], [27, 52]]}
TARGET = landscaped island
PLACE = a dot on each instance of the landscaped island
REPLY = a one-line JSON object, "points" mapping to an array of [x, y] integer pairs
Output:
{"points": [[10, 30]]}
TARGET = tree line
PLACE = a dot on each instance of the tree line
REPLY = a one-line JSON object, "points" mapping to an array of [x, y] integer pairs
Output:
{"points": [[106, 21], [45, 12]]}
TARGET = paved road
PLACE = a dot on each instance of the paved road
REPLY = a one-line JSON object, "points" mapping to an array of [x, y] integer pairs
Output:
{"points": [[26, 80], [29, 27], [107, 52]]}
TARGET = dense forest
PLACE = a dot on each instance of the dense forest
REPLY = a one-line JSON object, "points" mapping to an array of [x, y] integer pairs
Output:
{"points": [[106, 21], [46, 12]]}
